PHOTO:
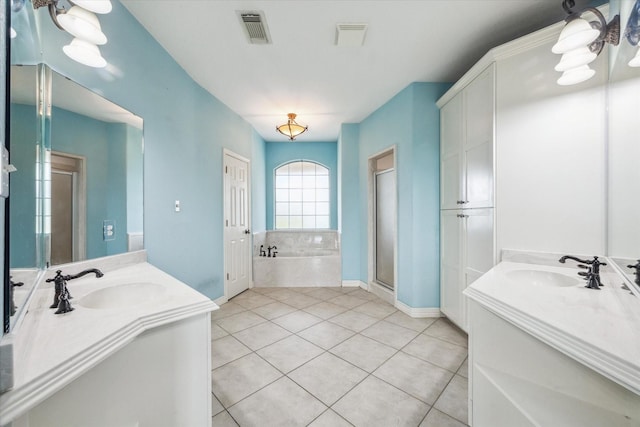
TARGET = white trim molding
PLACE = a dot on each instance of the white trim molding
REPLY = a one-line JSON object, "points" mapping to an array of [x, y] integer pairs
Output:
{"points": [[221, 300], [418, 312], [354, 284]]}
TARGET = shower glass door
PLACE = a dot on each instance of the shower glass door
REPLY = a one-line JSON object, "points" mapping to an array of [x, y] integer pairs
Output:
{"points": [[385, 217]]}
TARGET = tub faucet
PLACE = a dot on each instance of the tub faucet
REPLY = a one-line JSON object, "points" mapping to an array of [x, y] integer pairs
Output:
{"points": [[274, 251], [592, 275], [262, 252], [62, 295], [12, 303], [637, 273]]}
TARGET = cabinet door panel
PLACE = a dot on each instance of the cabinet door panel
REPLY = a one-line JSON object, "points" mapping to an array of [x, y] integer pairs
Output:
{"points": [[479, 109], [478, 247], [451, 269], [451, 137], [479, 176]]}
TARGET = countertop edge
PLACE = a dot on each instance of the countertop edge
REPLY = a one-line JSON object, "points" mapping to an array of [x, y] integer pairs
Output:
{"points": [[595, 358], [21, 398]]}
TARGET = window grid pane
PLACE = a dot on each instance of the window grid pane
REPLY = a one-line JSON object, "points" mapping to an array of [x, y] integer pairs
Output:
{"points": [[302, 196]]}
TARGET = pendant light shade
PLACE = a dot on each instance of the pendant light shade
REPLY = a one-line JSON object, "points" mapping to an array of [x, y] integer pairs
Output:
{"points": [[95, 6], [82, 24], [291, 129], [85, 53], [577, 33], [576, 75], [576, 58]]}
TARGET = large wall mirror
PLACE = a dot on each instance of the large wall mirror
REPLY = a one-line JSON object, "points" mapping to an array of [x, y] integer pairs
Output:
{"points": [[624, 143], [76, 192]]}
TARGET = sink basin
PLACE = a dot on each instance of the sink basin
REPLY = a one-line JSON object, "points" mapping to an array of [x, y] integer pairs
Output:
{"points": [[543, 278], [123, 296]]}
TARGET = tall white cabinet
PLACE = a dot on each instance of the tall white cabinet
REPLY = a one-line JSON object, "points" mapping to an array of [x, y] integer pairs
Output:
{"points": [[467, 191]]}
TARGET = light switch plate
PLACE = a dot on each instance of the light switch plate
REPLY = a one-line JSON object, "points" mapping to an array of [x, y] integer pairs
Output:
{"points": [[108, 230]]}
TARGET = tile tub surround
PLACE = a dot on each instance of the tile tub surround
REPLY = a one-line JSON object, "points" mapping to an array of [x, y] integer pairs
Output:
{"points": [[51, 350], [310, 367], [305, 258]]}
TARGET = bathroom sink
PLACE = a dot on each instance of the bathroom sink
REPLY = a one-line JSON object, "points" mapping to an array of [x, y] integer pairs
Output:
{"points": [[123, 296], [543, 278]]}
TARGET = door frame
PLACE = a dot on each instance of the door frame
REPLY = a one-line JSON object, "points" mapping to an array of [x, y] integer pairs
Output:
{"points": [[80, 207], [381, 291], [226, 152]]}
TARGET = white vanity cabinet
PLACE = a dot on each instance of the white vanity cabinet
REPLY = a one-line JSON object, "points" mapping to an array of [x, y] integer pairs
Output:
{"points": [[466, 185], [466, 141], [466, 254]]}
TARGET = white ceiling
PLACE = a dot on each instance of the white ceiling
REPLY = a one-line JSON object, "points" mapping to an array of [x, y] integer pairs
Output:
{"points": [[303, 71]]}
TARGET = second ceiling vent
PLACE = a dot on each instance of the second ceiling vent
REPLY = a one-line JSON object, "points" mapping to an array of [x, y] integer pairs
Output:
{"points": [[255, 26], [350, 35]]}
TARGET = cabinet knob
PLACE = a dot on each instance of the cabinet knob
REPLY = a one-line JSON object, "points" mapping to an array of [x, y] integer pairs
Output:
{"points": [[461, 202], [462, 216]]}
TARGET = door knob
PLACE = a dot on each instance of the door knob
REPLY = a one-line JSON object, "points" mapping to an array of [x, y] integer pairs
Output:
{"points": [[247, 231]]}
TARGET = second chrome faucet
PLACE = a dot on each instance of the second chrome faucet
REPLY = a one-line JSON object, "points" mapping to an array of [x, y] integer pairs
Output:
{"points": [[592, 275]]}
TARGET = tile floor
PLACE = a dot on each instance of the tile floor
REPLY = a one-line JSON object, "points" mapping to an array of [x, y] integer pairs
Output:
{"points": [[334, 357]]}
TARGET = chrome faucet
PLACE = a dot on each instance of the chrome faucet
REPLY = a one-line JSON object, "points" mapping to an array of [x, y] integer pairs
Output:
{"points": [[592, 275], [637, 273], [62, 295], [262, 252]]}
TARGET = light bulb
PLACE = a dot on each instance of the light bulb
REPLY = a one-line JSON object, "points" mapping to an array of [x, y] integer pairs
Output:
{"points": [[635, 61], [82, 24], [575, 58], [95, 6], [576, 75], [85, 53], [577, 33]]}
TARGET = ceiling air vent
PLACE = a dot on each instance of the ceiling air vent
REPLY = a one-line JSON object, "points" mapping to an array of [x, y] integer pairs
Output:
{"points": [[255, 26], [350, 35]]}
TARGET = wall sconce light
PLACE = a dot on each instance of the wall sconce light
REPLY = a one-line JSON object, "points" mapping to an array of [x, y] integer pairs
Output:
{"points": [[632, 33], [581, 41], [291, 129], [81, 22]]}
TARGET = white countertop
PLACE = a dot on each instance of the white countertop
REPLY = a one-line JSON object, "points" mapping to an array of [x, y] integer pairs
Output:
{"points": [[52, 350], [600, 329]]}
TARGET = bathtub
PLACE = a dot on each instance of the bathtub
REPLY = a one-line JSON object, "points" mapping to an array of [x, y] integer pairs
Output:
{"points": [[304, 258]]}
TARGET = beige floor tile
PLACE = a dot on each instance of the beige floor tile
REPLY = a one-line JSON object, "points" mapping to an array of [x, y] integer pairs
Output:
{"points": [[436, 418], [240, 321], [441, 353], [273, 310], [265, 290], [282, 294], [327, 377], [261, 335], [216, 406], [254, 300], [464, 369], [330, 419], [346, 289], [226, 310], [453, 400], [447, 331], [324, 293], [361, 293], [347, 301], [307, 289], [326, 334], [375, 403], [225, 350], [223, 419], [420, 379], [282, 404], [297, 321], [417, 324], [217, 332], [354, 320], [325, 310], [238, 379], [363, 352], [289, 353], [379, 310], [390, 334], [301, 301]]}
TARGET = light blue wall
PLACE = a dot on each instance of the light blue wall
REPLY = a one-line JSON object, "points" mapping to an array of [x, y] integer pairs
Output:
{"points": [[185, 131], [23, 205], [278, 153], [349, 205], [258, 193], [410, 121], [103, 145]]}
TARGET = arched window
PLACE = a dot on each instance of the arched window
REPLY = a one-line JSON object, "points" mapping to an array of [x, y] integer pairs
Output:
{"points": [[301, 195]]}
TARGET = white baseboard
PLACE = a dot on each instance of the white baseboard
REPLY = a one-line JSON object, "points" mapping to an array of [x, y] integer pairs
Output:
{"points": [[354, 284], [383, 293], [418, 311], [221, 300]]}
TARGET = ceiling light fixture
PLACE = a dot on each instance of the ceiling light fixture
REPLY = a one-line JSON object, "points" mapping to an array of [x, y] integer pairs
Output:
{"points": [[291, 129], [81, 22], [581, 41], [632, 33]]}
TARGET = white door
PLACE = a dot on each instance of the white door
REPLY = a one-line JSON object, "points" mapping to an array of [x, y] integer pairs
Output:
{"points": [[237, 234]]}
